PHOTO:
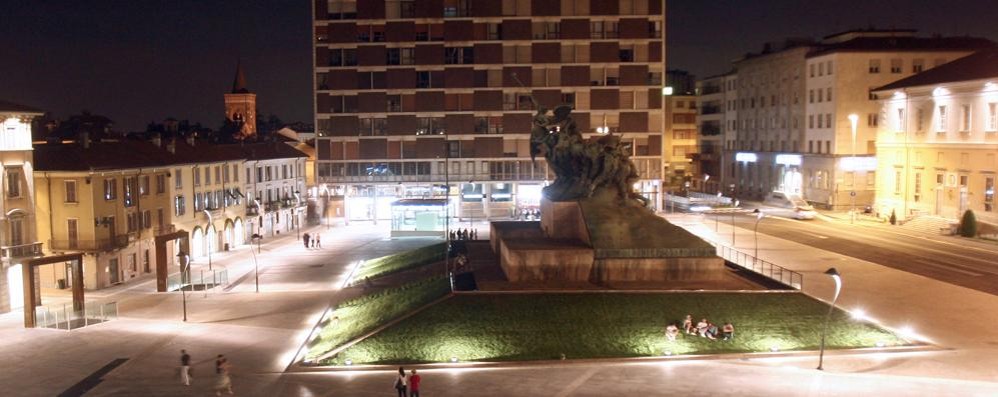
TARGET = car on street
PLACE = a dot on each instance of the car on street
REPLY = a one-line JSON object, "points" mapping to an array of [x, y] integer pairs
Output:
{"points": [[798, 208]]}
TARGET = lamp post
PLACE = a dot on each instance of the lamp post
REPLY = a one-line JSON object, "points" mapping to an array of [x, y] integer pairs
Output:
{"points": [[256, 266], [184, 261], [758, 217], [834, 274], [853, 119], [705, 178], [295, 211], [733, 224], [211, 225], [717, 215]]}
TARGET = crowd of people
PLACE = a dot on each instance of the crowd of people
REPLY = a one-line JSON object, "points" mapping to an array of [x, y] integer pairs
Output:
{"points": [[464, 234], [703, 328]]}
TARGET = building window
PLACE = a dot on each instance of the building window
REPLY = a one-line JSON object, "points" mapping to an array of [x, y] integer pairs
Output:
{"points": [[989, 193], [178, 178], [131, 187], [810, 121], [828, 120], [197, 177], [110, 189], [919, 124], [810, 96], [179, 205], [992, 117], [941, 119], [965, 119], [872, 119], [899, 124], [917, 65], [828, 69], [13, 183], [897, 182], [72, 232], [871, 178], [828, 94], [71, 191], [918, 186], [874, 66], [896, 66]]}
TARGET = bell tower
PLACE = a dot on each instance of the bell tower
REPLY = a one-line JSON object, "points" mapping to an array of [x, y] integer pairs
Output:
{"points": [[240, 106]]}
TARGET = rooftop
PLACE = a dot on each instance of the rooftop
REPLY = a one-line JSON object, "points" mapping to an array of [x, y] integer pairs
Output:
{"points": [[128, 154], [977, 66], [11, 107], [884, 43]]}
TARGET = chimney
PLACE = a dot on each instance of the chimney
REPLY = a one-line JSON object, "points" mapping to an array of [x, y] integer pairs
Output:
{"points": [[172, 146], [84, 138], [157, 139]]}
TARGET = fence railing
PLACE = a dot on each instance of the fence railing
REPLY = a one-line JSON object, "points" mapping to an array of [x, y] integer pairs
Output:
{"points": [[64, 317], [198, 280], [770, 270]]}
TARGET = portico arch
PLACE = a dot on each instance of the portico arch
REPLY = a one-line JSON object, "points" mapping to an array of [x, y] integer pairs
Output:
{"points": [[161, 258], [32, 298]]}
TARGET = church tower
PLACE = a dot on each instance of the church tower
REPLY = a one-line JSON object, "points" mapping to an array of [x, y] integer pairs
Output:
{"points": [[240, 106]]}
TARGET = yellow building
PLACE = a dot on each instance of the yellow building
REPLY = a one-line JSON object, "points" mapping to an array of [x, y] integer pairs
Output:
{"points": [[937, 143], [679, 142], [17, 214], [107, 200]]}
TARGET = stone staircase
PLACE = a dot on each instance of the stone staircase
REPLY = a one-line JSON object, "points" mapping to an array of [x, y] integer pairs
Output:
{"points": [[929, 224]]}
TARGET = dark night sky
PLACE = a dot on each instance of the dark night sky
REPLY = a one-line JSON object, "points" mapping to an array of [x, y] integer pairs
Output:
{"points": [[140, 61]]}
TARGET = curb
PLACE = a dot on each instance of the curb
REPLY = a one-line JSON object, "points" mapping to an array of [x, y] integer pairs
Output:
{"points": [[916, 348]]}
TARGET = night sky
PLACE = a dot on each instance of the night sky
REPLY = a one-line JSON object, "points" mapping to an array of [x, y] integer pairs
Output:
{"points": [[137, 61]]}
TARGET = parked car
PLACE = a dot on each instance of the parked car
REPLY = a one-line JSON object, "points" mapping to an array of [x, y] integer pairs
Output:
{"points": [[799, 209]]}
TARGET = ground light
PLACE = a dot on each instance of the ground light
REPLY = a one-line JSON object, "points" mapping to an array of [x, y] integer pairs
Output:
{"points": [[348, 362], [453, 359], [859, 315]]}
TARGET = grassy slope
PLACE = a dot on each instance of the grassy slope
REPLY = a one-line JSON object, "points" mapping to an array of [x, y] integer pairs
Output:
{"points": [[529, 327], [400, 262], [361, 315]]}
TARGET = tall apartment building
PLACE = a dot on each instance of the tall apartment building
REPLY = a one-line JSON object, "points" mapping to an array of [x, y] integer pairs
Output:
{"points": [[716, 101], [17, 203], [937, 141], [794, 133], [411, 95]]}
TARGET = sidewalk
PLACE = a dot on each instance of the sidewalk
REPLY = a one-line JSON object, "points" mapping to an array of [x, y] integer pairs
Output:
{"points": [[949, 316]]}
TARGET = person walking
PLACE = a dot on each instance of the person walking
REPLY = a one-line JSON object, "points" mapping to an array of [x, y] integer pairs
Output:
{"points": [[223, 383], [401, 383], [318, 241], [414, 384], [185, 368], [306, 239]]}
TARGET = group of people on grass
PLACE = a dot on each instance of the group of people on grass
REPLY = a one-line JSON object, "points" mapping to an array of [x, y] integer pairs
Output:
{"points": [[703, 328], [407, 385]]}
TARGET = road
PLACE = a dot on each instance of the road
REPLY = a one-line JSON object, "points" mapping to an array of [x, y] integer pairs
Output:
{"points": [[947, 259]]}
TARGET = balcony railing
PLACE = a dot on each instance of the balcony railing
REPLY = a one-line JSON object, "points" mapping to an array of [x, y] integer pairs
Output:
{"points": [[21, 251], [104, 244]]}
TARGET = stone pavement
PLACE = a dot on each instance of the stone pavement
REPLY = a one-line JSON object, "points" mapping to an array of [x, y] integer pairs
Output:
{"points": [[261, 332]]}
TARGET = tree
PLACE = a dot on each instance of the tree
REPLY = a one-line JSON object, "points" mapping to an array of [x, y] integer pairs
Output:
{"points": [[968, 224], [894, 218]]}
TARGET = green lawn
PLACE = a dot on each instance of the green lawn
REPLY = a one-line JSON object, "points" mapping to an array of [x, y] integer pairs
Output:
{"points": [[402, 261], [543, 326], [356, 317]]}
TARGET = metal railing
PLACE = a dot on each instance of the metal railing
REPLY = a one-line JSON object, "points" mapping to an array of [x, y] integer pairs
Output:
{"points": [[198, 280], [21, 251], [770, 270], [64, 317]]}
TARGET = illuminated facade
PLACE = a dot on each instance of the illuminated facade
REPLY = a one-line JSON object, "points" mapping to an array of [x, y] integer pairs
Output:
{"points": [[411, 95], [679, 143], [794, 104], [937, 142], [716, 102], [17, 205]]}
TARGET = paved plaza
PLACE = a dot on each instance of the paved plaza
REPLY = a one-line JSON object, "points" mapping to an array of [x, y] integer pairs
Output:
{"points": [[260, 333]]}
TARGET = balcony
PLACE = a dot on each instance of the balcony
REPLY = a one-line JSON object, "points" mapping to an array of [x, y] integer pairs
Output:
{"points": [[98, 245], [252, 211], [707, 109], [164, 229], [21, 251]]}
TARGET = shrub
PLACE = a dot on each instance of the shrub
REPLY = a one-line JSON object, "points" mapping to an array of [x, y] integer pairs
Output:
{"points": [[968, 224], [894, 218]]}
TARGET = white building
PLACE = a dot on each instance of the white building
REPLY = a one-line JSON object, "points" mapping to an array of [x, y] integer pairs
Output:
{"points": [[938, 139], [794, 104], [17, 208], [275, 188]]}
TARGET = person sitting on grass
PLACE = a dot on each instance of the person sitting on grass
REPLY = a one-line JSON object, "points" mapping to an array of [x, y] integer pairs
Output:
{"points": [[711, 331], [728, 331], [688, 324], [671, 332], [702, 328]]}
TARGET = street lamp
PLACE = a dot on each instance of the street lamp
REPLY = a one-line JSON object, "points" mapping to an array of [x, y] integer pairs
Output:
{"points": [[295, 211], [184, 261], [211, 225], [733, 223], [717, 215], [758, 217], [834, 274], [256, 266], [705, 178], [853, 119]]}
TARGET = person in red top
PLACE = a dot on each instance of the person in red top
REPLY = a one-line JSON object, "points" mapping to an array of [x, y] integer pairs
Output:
{"points": [[414, 384]]}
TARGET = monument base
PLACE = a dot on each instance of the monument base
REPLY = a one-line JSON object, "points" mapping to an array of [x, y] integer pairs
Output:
{"points": [[599, 242]]}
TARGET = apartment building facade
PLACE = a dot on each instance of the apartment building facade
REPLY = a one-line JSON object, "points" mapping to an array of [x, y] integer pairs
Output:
{"points": [[414, 96], [794, 101], [938, 139], [18, 236], [275, 185], [679, 143], [717, 98]]}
